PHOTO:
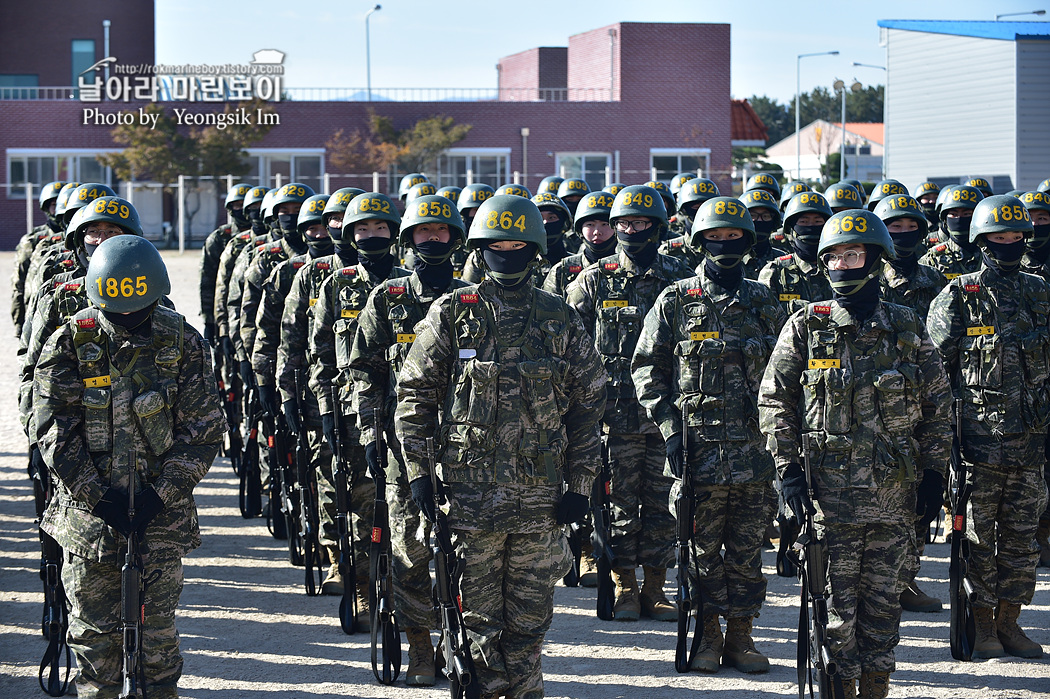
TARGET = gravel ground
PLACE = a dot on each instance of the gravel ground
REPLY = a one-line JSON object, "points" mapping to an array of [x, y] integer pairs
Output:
{"points": [[248, 630]]}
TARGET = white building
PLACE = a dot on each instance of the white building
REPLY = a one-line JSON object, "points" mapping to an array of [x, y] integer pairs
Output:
{"points": [[966, 99], [864, 150]]}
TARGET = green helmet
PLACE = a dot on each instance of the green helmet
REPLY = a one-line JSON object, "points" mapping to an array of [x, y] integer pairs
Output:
{"points": [[639, 200], [507, 217], [336, 205], [613, 188], [790, 190], [925, 188], [84, 195], [115, 210], [721, 212], [63, 198], [431, 208], [408, 182], [902, 206], [856, 226], [696, 191], [254, 196], [1036, 200], [450, 192], [423, 189], [957, 196], [573, 187], [515, 189], [371, 205], [980, 184], [885, 188], [594, 205], [843, 196], [550, 184], [762, 199], [805, 203], [267, 209], [1015, 193], [678, 180], [765, 181], [1044, 186], [312, 212], [49, 192], [237, 193], [1000, 214], [857, 185], [292, 193], [126, 274], [546, 200], [665, 194], [473, 196]]}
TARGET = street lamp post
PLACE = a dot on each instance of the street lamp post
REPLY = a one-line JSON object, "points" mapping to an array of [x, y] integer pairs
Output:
{"points": [[368, 52], [841, 87], [1039, 13], [798, 93]]}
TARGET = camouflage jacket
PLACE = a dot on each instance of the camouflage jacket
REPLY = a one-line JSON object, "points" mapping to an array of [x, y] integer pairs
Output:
{"points": [[916, 292], [153, 395], [874, 399], [612, 297], [680, 249], [235, 294], [57, 261], [211, 255], [564, 273], [274, 292], [223, 279], [23, 255], [993, 333], [795, 282], [510, 387], [951, 260], [755, 262], [1033, 266], [46, 247], [704, 349], [252, 291]]}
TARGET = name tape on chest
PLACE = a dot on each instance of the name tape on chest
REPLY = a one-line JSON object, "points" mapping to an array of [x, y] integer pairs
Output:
{"points": [[824, 364], [952, 275], [972, 288], [468, 298], [975, 330], [712, 335], [97, 382], [350, 314], [406, 338], [789, 297], [614, 303], [823, 310]]}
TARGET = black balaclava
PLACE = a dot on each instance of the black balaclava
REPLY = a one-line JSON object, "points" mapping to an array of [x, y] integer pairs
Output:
{"points": [[905, 244], [857, 290], [571, 204], [240, 219], [763, 229], [374, 255], [347, 253], [930, 211], [641, 247], [255, 217], [1004, 258], [959, 231], [434, 263], [804, 241], [510, 268], [555, 239], [596, 251], [722, 260], [320, 247], [1039, 243], [54, 223], [130, 321]]}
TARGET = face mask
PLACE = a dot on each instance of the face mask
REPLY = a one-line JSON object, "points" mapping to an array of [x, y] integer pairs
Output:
{"points": [[905, 243], [89, 250], [433, 252], [509, 268], [959, 230], [765, 228], [258, 227], [319, 247], [374, 248], [287, 223], [239, 219], [849, 282], [930, 211], [334, 233], [1040, 238], [129, 321], [1004, 257], [554, 229], [54, 223], [726, 254], [805, 241], [596, 251], [347, 253]]}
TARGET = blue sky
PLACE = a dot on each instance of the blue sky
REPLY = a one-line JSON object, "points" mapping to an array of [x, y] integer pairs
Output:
{"points": [[457, 43]]}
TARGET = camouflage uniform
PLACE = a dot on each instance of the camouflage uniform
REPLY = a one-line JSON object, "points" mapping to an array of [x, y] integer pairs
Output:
{"points": [[384, 336], [223, 281], [235, 296], [509, 384], [993, 333], [680, 249], [876, 415], [755, 261], [951, 260], [253, 292], [564, 273], [612, 297], [211, 255], [474, 268], [795, 281], [87, 451], [717, 376], [23, 254]]}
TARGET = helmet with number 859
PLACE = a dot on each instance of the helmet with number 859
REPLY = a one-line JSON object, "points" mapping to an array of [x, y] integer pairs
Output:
{"points": [[115, 210]]}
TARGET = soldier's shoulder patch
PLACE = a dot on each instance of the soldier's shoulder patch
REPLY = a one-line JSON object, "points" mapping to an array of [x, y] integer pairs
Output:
{"points": [[823, 310], [275, 248], [86, 323], [468, 298], [611, 266], [972, 288], [676, 243], [348, 272], [575, 269], [941, 248], [67, 263], [395, 290], [783, 258]]}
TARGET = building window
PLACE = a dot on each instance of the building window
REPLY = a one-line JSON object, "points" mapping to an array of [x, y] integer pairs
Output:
{"points": [[50, 166], [668, 162], [10, 84], [266, 165], [590, 167], [489, 166], [83, 56]]}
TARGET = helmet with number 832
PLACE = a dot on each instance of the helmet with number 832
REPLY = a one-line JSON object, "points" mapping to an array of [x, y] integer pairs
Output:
{"points": [[312, 212], [1000, 214], [126, 274], [957, 196], [432, 208], [507, 217], [856, 226], [721, 212]]}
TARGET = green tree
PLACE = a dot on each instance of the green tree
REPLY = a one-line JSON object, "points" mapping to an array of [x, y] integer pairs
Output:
{"points": [[822, 103], [384, 146]]}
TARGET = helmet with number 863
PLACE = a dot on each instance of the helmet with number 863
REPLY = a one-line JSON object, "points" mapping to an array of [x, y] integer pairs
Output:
{"points": [[859, 227]]}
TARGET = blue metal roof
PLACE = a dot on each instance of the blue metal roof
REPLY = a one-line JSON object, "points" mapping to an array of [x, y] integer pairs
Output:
{"points": [[1006, 31]]}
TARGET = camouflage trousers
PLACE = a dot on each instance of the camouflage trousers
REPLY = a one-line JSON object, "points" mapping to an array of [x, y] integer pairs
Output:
{"points": [[362, 497], [508, 602], [95, 635], [409, 537], [1008, 496], [735, 517], [864, 569], [916, 549], [642, 522]]}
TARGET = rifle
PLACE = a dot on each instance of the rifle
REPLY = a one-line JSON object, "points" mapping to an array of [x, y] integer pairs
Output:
{"points": [[789, 531], [249, 493], [962, 633], [344, 524], [813, 610], [229, 394], [380, 596], [685, 511], [572, 578], [308, 514], [456, 645], [601, 536], [56, 614], [133, 586]]}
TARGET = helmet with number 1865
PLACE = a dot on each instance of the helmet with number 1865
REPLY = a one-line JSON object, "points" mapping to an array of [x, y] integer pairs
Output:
{"points": [[126, 274]]}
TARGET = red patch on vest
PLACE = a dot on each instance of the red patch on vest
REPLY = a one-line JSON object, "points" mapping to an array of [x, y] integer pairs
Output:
{"points": [[972, 288], [825, 310], [348, 271], [72, 286], [323, 265], [611, 266], [377, 535], [67, 263], [86, 323], [275, 248], [245, 236], [676, 244], [393, 290], [297, 265], [695, 292], [784, 258], [468, 298], [941, 248], [575, 269]]}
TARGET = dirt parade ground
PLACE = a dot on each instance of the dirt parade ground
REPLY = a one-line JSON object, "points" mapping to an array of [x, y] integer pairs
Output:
{"points": [[249, 630]]}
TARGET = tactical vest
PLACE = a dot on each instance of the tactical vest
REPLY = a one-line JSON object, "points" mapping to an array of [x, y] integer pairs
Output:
{"points": [[950, 260], [679, 248], [534, 363], [320, 270], [404, 310], [70, 298], [988, 352], [350, 288], [862, 404], [793, 287]]}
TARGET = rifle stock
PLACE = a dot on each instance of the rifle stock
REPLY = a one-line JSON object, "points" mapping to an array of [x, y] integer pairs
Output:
{"points": [[685, 506], [250, 486], [962, 633], [386, 636], [309, 519], [133, 586], [347, 564], [601, 536]]}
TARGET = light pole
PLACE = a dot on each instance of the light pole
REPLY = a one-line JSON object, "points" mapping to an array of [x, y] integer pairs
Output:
{"points": [[798, 93], [1040, 13], [841, 87], [368, 52]]}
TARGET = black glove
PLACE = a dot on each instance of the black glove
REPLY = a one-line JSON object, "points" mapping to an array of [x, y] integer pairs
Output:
{"points": [[291, 415], [572, 508], [673, 447], [795, 491], [372, 459], [147, 506], [268, 400], [929, 497], [209, 333], [328, 429], [36, 462], [423, 496], [247, 374], [113, 510], [227, 349]]}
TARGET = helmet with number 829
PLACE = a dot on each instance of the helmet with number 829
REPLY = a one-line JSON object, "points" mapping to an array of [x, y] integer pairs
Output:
{"points": [[126, 274]]}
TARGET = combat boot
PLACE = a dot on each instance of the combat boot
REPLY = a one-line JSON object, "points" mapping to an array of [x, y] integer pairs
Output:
{"points": [[849, 688], [709, 654], [333, 582], [363, 620], [1011, 635], [654, 602], [626, 607], [588, 566], [1042, 534], [874, 685], [986, 643], [739, 651], [421, 672], [915, 600]]}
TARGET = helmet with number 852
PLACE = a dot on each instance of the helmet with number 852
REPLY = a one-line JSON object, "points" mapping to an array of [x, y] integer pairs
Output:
{"points": [[367, 206], [126, 274]]}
